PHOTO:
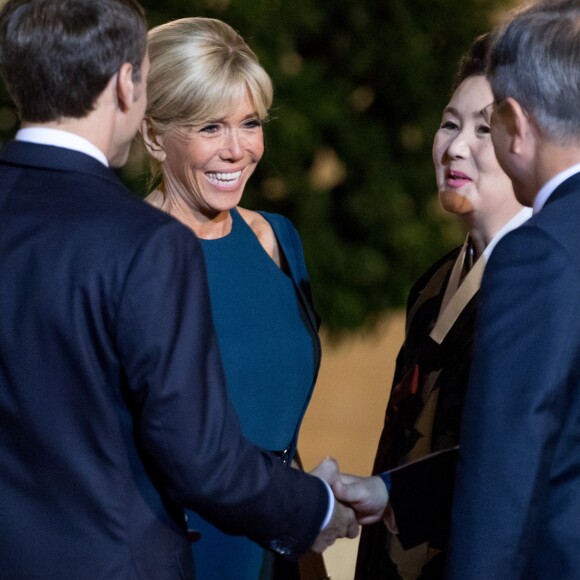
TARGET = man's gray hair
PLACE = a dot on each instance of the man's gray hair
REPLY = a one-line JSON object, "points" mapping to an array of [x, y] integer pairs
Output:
{"points": [[535, 59]]}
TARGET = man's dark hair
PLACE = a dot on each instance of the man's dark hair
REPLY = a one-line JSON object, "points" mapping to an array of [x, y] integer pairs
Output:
{"points": [[57, 56]]}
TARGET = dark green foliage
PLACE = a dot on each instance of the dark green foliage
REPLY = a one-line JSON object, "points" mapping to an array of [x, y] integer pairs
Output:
{"points": [[360, 85]]}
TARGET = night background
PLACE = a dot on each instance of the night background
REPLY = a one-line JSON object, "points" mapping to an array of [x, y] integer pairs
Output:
{"points": [[359, 89]]}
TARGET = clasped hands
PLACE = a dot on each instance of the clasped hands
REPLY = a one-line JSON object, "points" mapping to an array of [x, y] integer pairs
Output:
{"points": [[359, 501]]}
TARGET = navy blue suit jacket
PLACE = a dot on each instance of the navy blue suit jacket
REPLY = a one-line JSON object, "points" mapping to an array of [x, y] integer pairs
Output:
{"points": [[113, 409], [517, 500]]}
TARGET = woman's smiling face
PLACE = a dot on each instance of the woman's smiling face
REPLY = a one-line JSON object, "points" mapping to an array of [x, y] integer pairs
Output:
{"points": [[469, 177], [208, 165]]}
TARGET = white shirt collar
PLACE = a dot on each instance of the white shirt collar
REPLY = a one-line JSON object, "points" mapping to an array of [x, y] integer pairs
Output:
{"points": [[550, 186], [59, 138], [523, 215]]}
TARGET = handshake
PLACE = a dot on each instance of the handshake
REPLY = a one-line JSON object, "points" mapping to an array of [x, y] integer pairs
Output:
{"points": [[358, 501]]}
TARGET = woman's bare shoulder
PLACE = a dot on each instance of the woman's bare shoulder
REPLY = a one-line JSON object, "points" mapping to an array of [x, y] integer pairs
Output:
{"points": [[263, 231]]}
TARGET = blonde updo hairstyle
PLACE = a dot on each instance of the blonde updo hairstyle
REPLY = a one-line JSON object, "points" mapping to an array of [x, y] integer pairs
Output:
{"points": [[200, 69]]}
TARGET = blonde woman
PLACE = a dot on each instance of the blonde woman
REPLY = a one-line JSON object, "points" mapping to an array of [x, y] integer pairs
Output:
{"points": [[208, 101]]}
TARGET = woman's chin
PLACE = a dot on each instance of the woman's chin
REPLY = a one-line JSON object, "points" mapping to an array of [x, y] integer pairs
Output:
{"points": [[454, 202]]}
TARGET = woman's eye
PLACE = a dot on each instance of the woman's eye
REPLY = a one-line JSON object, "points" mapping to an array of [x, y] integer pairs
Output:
{"points": [[209, 128], [483, 129], [253, 124], [450, 125]]}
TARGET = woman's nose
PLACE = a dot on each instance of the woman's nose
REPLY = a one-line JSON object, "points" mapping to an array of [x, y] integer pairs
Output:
{"points": [[459, 146], [232, 146]]}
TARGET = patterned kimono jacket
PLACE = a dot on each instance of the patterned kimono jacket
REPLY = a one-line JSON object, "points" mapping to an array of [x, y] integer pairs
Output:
{"points": [[425, 407]]}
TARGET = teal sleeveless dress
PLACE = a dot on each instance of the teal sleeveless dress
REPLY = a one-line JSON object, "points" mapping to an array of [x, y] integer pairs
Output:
{"points": [[267, 333]]}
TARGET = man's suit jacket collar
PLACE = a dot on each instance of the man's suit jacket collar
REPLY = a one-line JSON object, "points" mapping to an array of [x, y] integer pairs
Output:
{"points": [[54, 158], [567, 187]]}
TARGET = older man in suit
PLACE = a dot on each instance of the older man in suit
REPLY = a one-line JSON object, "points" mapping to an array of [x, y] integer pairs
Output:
{"points": [[113, 412], [517, 501]]}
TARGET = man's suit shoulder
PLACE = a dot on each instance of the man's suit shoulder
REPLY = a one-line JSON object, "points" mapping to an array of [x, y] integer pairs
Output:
{"points": [[552, 229], [110, 210]]}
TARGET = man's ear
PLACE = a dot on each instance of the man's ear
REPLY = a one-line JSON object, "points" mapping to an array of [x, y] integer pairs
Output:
{"points": [[518, 124], [127, 91], [153, 141]]}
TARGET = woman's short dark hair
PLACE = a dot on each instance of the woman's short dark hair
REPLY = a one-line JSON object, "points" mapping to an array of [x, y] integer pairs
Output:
{"points": [[57, 56], [473, 63]]}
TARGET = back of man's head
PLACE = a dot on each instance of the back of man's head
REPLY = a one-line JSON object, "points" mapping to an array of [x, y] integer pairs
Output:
{"points": [[57, 56], [535, 59]]}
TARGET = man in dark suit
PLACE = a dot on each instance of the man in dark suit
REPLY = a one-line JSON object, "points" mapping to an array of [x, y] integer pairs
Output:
{"points": [[113, 412], [517, 502]]}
